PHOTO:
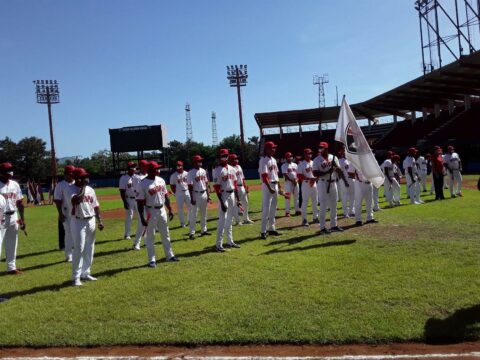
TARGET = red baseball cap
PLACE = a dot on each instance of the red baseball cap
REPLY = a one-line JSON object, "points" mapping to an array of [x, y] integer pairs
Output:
{"points": [[232, 157], [323, 145], [396, 157], [197, 158], [288, 155], [412, 151], [79, 173], [223, 152], [179, 163], [69, 169], [131, 164], [270, 145], [153, 165], [143, 163], [6, 166], [307, 151]]}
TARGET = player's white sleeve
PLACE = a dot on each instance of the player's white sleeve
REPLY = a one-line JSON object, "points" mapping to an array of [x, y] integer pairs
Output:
{"points": [[122, 184], [19, 192], [57, 193], [263, 169], [190, 178], [141, 192], [95, 200]]}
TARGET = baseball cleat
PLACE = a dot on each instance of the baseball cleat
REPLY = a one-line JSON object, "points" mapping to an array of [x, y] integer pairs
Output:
{"points": [[274, 233], [287, 214], [68, 258], [220, 249], [305, 223], [324, 231], [152, 264], [248, 221], [205, 233], [233, 245], [358, 223], [263, 236], [298, 213], [136, 247], [126, 237], [191, 236], [336, 228], [316, 221], [77, 282], [88, 278], [173, 259], [15, 272], [371, 221]]}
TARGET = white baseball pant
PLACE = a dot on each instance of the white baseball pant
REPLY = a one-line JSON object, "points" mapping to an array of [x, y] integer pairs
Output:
{"points": [[455, 182], [348, 196], [376, 205], [183, 198], [423, 180], [140, 229], [157, 220], [293, 190], [83, 233], [327, 200], [363, 191], [269, 207], [225, 218], [68, 250], [413, 189], [243, 197], [309, 192], [132, 209], [9, 236], [201, 202], [392, 191]]}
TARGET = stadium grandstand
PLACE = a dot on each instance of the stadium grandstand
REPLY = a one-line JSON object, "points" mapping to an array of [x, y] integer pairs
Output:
{"points": [[438, 108]]}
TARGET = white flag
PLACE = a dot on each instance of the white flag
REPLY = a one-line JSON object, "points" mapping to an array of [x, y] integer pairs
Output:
{"points": [[357, 150]]}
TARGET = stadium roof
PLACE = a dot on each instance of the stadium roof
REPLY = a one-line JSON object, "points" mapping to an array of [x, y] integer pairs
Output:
{"points": [[451, 82]]}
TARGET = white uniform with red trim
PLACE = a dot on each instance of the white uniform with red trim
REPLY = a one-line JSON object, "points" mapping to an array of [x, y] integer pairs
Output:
{"points": [[83, 231], [268, 166], [309, 188], [181, 194], [391, 188], [327, 200], [11, 193], [62, 193], [199, 181], [347, 193], [413, 186], [226, 181], [363, 192], [423, 170], [137, 180], [289, 171], [454, 174], [242, 196], [127, 184], [152, 192]]}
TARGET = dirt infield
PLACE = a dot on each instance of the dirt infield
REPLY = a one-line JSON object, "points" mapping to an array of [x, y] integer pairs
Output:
{"points": [[409, 350]]}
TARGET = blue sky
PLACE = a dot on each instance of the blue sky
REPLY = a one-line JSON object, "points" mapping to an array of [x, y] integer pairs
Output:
{"points": [[122, 62]]}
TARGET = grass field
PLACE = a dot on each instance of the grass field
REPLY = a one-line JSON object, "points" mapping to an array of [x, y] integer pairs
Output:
{"points": [[414, 276]]}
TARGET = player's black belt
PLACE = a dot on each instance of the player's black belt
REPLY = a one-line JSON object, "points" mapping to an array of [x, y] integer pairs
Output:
{"points": [[84, 218], [9, 212], [130, 197], [229, 191], [239, 185], [201, 192], [273, 182], [155, 207], [365, 182], [327, 180]]}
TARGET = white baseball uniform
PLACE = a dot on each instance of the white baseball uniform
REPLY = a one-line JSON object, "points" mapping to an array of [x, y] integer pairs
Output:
{"points": [[153, 192], [347, 193], [268, 169], [137, 180], [179, 179], [363, 192], [127, 184], [83, 231], [62, 193], [422, 171], [309, 188], [454, 174], [289, 171], [226, 181], [327, 200], [12, 193], [413, 186], [242, 196], [391, 188], [199, 181]]}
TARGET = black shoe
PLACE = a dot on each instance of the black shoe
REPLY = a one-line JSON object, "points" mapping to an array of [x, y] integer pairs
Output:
{"points": [[152, 264], [173, 259], [274, 233], [371, 221], [316, 221], [233, 245], [205, 233], [358, 223], [219, 249], [324, 231], [336, 228], [263, 236], [305, 223], [191, 236]]}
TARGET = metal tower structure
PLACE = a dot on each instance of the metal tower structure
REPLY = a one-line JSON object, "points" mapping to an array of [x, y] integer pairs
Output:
{"points": [[320, 81], [188, 121], [214, 129], [447, 27]]}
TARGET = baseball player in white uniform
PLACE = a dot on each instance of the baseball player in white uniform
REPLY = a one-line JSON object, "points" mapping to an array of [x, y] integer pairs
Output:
{"points": [[347, 192], [391, 185], [327, 169], [289, 171], [61, 197], [453, 164], [422, 170], [128, 194], [197, 181], [270, 189], [179, 187], [309, 186], [136, 180], [226, 190], [363, 192], [12, 194], [242, 190], [85, 209], [153, 196], [413, 181]]}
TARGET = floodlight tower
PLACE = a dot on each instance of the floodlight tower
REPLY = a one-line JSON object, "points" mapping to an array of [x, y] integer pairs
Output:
{"points": [[237, 77], [320, 81], [188, 121], [214, 129], [47, 93]]}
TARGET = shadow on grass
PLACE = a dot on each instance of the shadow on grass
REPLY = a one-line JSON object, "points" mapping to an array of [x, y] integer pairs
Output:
{"points": [[310, 247], [22, 256], [111, 252], [111, 240], [462, 325], [206, 250]]}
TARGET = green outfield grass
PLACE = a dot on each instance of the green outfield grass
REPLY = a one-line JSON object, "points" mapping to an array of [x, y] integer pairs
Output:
{"points": [[377, 283]]}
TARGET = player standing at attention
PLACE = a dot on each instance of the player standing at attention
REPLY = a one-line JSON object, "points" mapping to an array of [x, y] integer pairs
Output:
{"points": [[363, 192], [197, 181], [137, 179], [242, 189], [422, 170], [453, 164], [413, 186], [347, 192], [289, 171], [11, 192], [128, 194], [179, 187], [270, 189], [391, 184], [309, 186]]}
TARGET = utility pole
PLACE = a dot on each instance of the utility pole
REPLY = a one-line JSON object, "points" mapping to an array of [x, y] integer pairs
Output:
{"points": [[188, 121], [214, 129]]}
